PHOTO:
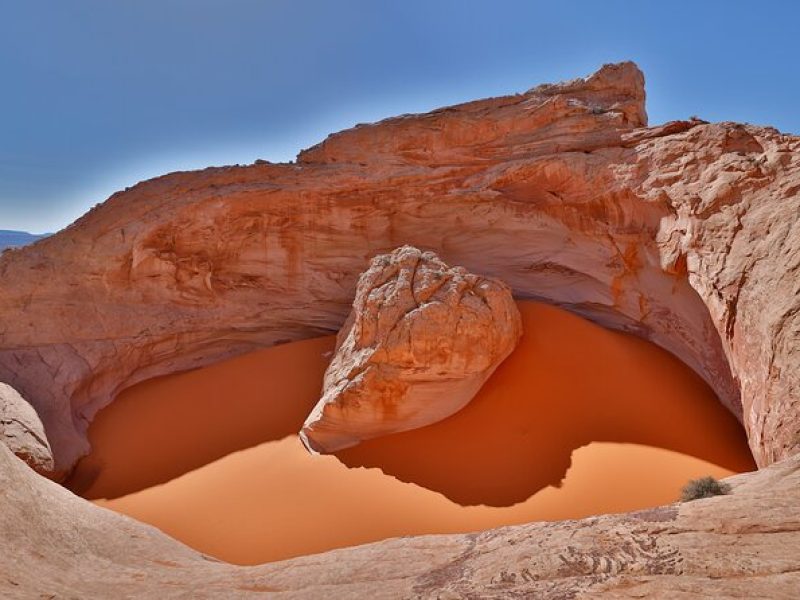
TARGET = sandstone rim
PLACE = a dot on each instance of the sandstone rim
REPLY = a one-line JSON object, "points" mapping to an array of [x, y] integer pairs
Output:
{"points": [[687, 234]]}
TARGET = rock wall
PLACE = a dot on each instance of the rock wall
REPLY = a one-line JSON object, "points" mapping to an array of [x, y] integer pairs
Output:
{"points": [[687, 234], [22, 431]]}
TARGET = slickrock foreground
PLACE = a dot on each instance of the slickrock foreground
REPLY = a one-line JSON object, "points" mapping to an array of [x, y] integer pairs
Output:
{"points": [[420, 341], [687, 234], [22, 431], [745, 545]]}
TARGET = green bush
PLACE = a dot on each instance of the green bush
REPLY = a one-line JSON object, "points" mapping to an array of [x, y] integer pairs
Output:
{"points": [[705, 487]]}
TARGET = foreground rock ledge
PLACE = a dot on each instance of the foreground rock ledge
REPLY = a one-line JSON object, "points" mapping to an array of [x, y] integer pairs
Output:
{"points": [[687, 234], [744, 545], [421, 340]]}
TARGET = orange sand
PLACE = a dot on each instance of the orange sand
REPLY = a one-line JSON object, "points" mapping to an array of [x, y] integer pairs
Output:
{"points": [[634, 423]]}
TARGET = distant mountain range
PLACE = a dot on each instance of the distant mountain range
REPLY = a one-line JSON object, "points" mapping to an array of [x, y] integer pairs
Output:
{"points": [[13, 239]]}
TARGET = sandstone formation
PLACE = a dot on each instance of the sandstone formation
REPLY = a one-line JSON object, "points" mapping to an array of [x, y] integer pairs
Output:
{"points": [[420, 341], [686, 233], [560, 192], [22, 431]]}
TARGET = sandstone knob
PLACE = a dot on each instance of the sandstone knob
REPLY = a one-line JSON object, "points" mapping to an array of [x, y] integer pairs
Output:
{"points": [[420, 341], [22, 431]]}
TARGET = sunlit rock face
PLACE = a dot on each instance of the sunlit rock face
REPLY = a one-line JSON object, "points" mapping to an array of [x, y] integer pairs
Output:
{"points": [[560, 192], [421, 339], [22, 431], [687, 234]]}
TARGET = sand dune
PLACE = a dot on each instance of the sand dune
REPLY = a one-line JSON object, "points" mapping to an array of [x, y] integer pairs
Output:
{"points": [[633, 422]]}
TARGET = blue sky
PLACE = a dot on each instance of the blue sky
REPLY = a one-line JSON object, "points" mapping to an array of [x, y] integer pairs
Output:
{"points": [[98, 94]]}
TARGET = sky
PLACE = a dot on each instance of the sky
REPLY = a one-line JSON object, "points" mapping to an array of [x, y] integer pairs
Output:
{"points": [[96, 95]]}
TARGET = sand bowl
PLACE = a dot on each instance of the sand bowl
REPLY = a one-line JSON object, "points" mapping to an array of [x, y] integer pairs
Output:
{"points": [[579, 420]]}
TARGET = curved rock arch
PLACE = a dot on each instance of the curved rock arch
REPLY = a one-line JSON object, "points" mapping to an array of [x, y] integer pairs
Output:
{"points": [[687, 234]]}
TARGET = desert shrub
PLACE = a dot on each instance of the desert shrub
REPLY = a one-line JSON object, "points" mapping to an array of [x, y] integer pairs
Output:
{"points": [[705, 487]]}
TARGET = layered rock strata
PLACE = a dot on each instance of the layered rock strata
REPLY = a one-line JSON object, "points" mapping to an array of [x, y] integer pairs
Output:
{"points": [[686, 233], [420, 341]]}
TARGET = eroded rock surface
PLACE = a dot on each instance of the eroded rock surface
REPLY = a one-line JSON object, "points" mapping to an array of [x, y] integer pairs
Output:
{"points": [[23, 432], [687, 234], [560, 192], [420, 341]]}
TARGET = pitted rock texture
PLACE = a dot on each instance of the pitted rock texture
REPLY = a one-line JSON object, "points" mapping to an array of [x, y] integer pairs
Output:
{"points": [[420, 341], [687, 234], [23, 432]]}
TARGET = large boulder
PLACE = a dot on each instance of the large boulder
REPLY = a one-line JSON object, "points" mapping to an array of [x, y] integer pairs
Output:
{"points": [[23, 432], [420, 341]]}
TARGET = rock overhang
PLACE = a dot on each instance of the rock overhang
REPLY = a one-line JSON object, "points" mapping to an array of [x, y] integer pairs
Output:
{"points": [[713, 281]]}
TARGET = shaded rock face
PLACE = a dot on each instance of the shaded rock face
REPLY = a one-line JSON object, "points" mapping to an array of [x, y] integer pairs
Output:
{"points": [[687, 234], [23, 432], [420, 341]]}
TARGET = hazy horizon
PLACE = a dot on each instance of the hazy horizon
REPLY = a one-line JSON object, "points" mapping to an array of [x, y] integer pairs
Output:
{"points": [[103, 95]]}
